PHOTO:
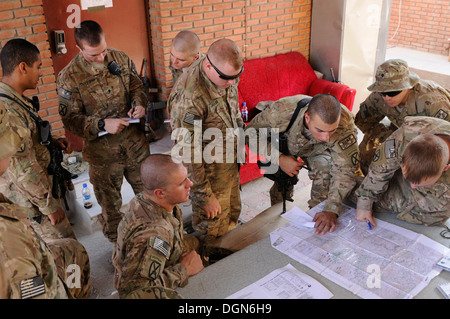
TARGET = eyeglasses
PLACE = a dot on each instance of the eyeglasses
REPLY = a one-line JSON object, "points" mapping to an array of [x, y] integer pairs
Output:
{"points": [[224, 76], [391, 94]]}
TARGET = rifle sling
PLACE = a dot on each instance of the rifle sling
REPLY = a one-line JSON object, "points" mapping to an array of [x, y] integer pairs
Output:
{"points": [[45, 140], [301, 104]]}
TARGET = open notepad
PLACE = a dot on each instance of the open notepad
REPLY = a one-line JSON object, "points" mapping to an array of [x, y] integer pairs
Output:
{"points": [[130, 120]]}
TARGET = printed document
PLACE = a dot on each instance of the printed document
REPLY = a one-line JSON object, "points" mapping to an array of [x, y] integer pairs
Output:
{"points": [[284, 283], [387, 261]]}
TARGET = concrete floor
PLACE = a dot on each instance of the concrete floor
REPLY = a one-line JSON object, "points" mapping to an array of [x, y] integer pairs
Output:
{"points": [[254, 195]]}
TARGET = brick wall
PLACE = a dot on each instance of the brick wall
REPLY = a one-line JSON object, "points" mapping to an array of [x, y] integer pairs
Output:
{"points": [[424, 25], [25, 19], [260, 28]]}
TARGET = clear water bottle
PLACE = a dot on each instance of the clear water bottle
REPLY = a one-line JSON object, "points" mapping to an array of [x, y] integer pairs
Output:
{"points": [[87, 202], [244, 112]]}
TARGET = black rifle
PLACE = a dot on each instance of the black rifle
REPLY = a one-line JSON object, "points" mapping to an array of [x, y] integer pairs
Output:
{"points": [[149, 132], [61, 177], [283, 181]]}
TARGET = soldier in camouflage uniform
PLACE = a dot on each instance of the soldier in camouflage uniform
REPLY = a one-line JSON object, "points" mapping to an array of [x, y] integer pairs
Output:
{"points": [[206, 97], [185, 50], [397, 93], [327, 145], [152, 256], [27, 182], [92, 101], [410, 174], [30, 268]]}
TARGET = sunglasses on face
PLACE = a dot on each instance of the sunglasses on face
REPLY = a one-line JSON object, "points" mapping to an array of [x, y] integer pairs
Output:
{"points": [[224, 76], [390, 94]]}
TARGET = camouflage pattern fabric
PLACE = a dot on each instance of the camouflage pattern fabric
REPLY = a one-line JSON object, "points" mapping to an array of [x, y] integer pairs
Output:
{"points": [[87, 93], [334, 164], [28, 267], [393, 75], [26, 182], [146, 254], [385, 189], [12, 133], [425, 98], [198, 104]]}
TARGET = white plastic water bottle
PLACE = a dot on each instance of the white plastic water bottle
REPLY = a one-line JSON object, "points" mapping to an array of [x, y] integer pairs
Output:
{"points": [[244, 112], [86, 196]]}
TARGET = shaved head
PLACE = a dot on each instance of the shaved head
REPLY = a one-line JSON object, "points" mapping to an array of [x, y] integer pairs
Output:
{"points": [[157, 170]]}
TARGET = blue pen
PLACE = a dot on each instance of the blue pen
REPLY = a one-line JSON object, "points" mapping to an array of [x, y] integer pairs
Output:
{"points": [[370, 226]]}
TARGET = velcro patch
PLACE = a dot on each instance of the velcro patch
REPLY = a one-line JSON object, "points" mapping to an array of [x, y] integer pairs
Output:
{"points": [[189, 118], [390, 151], [161, 246], [347, 142], [155, 268], [441, 114], [64, 94], [32, 287]]}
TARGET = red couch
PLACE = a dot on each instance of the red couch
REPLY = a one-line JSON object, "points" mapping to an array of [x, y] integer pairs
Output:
{"points": [[274, 77]]}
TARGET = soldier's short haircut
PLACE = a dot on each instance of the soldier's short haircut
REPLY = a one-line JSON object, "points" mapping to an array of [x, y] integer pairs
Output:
{"points": [[186, 41], [326, 106], [226, 51], [17, 51], [425, 156], [89, 31], [156, 170]]}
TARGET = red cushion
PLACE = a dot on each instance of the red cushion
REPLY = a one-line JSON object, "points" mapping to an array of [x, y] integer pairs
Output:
{"points": [[274, 77]]}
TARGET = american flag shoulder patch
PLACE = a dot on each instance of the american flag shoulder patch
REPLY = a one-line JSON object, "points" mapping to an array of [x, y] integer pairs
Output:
{"points": [[189, 118], [32, 287], [161, 246]]}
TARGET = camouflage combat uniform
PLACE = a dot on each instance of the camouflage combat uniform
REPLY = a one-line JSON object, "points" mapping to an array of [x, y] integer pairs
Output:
{"points": [[88, 93], [177, 72], [334, 164], [426, 98], [30, 268], [195, 99], [146, 255], [27, 182], [385, 188]]}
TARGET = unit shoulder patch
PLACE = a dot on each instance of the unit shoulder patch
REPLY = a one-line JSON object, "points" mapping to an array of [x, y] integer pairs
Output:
{"points": [[441, 114]]}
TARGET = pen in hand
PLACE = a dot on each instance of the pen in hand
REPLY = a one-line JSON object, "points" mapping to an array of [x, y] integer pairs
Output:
{"points": [[133, 106]]}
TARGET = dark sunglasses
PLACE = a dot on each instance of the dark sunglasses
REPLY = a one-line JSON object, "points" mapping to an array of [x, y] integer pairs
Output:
{"points": [[391, 94], [224, 76]]}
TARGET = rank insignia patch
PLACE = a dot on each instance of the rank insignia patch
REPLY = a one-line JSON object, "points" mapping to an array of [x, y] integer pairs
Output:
{"points": [[390, 151], [347, 142], [32, 287]]}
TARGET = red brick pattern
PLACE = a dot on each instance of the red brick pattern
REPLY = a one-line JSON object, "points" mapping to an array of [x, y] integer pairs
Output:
{"points": [[25, 19], [424, 25], [260, 28]]}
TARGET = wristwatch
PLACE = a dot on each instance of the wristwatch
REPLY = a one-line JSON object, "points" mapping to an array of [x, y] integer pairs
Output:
{"points": [[101, 125]]}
